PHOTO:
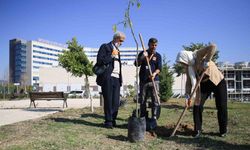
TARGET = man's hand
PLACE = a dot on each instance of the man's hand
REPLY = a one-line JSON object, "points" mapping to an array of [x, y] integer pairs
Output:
{"points": [[145, 54], [115, 52], [205, 64], [153, 75]]}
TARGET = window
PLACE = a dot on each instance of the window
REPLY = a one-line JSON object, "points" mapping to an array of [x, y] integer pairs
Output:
{"points": [[246, 84]]}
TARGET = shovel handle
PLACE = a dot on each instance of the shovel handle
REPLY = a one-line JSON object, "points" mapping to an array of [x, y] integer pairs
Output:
{"points": [[184, 111], [150, 71]]}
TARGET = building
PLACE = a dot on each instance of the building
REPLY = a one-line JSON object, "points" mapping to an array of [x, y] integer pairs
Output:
{"points": [[26, 57], [58, 79], [238, 80], [31, 59]]}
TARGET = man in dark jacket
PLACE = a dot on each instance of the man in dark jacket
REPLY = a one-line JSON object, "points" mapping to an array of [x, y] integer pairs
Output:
{"points": [[146, 85], [111, 79]]}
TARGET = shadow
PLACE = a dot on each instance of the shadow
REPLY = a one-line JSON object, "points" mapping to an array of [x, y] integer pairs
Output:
{"points": [[204, 142], [118, 137], [175, 106], [77, 121], [92, 115], [122, 126], [87, 123], [98, 116], [45, 109], [172, 106], [208, 143]]}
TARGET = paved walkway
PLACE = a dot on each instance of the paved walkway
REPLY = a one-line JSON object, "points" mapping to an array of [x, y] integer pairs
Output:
{"points": [[18, 110]]}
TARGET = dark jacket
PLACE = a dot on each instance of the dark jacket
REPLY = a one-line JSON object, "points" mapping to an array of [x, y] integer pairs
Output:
{"points": [[104, 58], [155, 63]]}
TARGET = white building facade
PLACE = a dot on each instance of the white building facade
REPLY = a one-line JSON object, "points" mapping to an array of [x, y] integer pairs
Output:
{"points": [[36, 62]]}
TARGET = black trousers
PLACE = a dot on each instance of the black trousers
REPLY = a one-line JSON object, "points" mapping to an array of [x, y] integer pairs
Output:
{"points": [[111, 95], [220, 93]]}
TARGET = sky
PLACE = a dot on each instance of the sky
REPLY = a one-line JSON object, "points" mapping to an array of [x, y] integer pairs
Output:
{"points": [[173, 22]]}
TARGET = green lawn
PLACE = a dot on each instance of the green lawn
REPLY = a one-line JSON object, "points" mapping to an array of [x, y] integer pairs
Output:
{"points": [[80, 129]]}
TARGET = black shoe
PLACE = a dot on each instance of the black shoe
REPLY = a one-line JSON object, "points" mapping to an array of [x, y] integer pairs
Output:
{"points": [[114, 123], [197, 134], [223, 134], [108, 126]]}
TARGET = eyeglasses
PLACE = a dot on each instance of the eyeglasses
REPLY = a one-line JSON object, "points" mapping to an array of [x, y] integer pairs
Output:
{"points": [[121, 40]]}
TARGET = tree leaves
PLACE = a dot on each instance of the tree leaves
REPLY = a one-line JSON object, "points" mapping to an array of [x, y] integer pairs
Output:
{"points": [[75, 60]]}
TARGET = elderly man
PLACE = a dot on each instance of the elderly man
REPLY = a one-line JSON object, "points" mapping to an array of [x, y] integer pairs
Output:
{"points": [[111, 79]]}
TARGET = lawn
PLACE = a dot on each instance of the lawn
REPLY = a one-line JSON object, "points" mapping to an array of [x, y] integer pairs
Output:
{"points": [[80, 129]]}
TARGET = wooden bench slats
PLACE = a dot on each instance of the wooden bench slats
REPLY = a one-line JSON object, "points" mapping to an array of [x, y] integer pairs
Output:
{"points": [[47, 96]]}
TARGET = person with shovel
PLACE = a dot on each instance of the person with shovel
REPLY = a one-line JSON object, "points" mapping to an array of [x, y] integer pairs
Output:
{"points": [[111, 79], [213, 81], [146, 87]]}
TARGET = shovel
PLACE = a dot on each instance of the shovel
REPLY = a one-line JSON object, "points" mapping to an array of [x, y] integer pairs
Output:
{"points": [[184, 111], [150, 71]]}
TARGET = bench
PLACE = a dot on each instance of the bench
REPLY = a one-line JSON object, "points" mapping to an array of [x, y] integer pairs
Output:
{"points": [[47, 96]]}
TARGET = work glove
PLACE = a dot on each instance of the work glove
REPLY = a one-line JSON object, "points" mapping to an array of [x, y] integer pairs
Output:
{"points": [[115, 53], [145, 54], [153, 75], [205, 64], [187, 100]]}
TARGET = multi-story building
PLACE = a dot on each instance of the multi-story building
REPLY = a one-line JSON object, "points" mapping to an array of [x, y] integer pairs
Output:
{"points": [[26, 57], [238, 80], [29, 58]]}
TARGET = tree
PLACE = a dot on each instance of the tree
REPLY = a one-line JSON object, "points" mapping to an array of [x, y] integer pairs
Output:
{"points": [[76, 61], [128, 22], [179, 69], [166, 81]]}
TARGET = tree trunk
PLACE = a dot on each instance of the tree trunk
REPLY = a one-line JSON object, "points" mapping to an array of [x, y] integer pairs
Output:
{"points": [[89, 94]]}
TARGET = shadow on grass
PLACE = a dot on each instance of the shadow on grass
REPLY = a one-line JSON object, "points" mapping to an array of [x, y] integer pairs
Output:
{"points": [[77, 121], [83, 120], [118, 137], [204, 142], [175, 106], [98, 116], [208, 143], [44, 109]]}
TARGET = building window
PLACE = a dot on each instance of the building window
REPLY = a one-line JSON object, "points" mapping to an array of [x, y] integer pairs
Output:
{"points": [[246, 84], [230, 84], [246, 74]]}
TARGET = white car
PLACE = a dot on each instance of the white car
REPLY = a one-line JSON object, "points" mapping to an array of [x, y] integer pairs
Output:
{"points": [[76, 94]]}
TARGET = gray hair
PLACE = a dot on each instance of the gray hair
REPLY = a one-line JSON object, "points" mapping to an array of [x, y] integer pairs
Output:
{"points": [[119, 34]]}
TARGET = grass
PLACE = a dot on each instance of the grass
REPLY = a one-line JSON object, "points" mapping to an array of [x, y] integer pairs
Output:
{"points": [[80, 129]]}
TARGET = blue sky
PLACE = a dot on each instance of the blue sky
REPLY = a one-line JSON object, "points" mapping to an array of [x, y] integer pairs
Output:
{"points": [[173, 22]]}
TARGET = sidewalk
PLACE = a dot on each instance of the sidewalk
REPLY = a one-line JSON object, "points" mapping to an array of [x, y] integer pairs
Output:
{"points": [[18, 110]]}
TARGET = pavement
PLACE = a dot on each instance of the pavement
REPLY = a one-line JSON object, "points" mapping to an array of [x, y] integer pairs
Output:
{"points": [[19, 110]]}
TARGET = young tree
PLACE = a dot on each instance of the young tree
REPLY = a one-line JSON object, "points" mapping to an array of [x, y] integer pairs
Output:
{"points": [[128, 22], [166, 81], [76, 61]]}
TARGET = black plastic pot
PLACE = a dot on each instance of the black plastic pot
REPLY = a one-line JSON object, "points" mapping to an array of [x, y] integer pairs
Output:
{"points": [[136, 129]]}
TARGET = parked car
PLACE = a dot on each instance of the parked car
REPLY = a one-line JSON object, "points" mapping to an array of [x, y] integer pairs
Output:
{"points": [[76, 94]]}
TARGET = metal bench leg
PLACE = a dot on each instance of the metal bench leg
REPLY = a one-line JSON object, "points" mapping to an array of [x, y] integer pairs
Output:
{"points": [[65, 103]]}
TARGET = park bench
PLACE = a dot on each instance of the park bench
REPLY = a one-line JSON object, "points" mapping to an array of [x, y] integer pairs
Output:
{"points": [[47, 96]]}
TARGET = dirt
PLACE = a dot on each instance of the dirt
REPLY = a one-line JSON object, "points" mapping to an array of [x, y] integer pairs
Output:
{"points": [[166, 131]]}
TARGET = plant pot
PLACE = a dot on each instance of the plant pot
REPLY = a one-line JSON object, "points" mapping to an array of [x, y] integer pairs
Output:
{"points": [[136, 129]]}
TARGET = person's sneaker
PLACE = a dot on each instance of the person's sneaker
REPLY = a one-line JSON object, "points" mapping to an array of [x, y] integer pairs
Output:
{"points": [[197, 134]]}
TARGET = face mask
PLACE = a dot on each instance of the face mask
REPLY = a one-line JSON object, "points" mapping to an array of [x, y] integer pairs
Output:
{"points": [[117, 44]]}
